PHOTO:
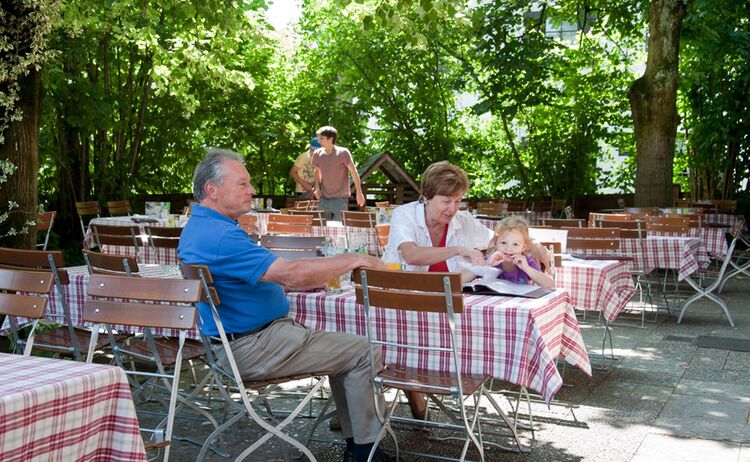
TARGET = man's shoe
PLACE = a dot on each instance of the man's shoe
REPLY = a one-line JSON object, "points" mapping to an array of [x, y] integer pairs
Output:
{"points": [[349, 456]]}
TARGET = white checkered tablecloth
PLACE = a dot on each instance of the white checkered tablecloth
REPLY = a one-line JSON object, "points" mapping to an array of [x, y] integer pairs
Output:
{"points": [[510, 338], [58, 410], [597, 285], [158, 256], [713, 239], [722, 219], [685, 254]]}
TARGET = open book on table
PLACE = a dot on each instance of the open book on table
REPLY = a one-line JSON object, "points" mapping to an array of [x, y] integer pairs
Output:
{"points": [[491, 286]]}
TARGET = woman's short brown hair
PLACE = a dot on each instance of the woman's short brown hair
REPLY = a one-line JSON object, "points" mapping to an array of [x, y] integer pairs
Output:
{"points": [[444, 179]]}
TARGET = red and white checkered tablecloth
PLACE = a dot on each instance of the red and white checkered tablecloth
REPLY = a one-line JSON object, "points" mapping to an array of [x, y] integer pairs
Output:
{"points": [[510, 338], [713, 239], [597, 285], [722, 219], [58, 410], [685, 254]]}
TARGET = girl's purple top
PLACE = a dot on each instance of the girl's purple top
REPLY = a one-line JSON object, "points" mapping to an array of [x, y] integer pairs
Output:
{"points": [[517, 276]]}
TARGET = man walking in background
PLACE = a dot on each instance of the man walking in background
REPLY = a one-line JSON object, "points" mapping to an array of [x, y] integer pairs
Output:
{"points": [[303, 172], [333, 164]]}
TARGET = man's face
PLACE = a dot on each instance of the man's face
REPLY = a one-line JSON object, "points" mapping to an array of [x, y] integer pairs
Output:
{"points": [[325, 141], [234, 197]]}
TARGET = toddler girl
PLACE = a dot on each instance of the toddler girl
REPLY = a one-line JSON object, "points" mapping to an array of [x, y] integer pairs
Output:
{"points": [[510, 245]]}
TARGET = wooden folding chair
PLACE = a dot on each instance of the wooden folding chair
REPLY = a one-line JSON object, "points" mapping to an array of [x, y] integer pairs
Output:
{"points": [[30, 303], [90, 209], [263, 388], [248, 223], [124, 236], [289, 224], [437, 295], [119, 208], [382, 204], [679, 225], [358, 223], [161, 237], [515, 205], [559, 223], [110, 263], [492, 209], [171, 307], [66, 338], [319, 218], [293, 247], [44, 222], [382, 231], [597, 243]]}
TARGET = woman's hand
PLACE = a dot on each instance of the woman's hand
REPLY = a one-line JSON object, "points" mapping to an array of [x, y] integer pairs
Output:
{"points": [[474, 255]]}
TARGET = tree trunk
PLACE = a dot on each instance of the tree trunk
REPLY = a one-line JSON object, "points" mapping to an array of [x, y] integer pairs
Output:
{"points": [[653, 103], [21, 147]]}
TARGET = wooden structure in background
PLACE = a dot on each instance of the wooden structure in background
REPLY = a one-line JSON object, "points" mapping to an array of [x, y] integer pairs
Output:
{"points": [[401, 187]]}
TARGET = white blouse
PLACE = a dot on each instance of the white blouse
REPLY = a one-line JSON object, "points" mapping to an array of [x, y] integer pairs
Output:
{"points": [[408, 225]]}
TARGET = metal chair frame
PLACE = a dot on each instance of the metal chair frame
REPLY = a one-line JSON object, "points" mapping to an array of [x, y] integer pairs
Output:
{"points": [[203, 275], [438, 293], [44, 222]]}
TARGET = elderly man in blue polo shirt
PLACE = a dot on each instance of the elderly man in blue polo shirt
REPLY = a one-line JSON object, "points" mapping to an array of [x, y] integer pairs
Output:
{"points": [[254, 309]]}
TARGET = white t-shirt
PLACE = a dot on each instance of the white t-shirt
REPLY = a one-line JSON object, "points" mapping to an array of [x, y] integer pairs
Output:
{"points": [[408, 225]]}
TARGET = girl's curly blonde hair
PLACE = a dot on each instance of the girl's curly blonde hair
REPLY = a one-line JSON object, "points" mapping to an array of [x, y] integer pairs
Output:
{"points": [[511, 223]]}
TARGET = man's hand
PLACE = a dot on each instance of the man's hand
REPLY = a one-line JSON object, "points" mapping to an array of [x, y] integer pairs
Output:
{"points": [[360, 199], [316, 193]]}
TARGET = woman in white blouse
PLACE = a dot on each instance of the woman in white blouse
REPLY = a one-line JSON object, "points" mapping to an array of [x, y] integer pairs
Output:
{"points": [[432, 234]]}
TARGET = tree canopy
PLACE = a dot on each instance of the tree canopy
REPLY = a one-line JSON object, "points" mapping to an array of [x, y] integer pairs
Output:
{"points": [[529, 100]]}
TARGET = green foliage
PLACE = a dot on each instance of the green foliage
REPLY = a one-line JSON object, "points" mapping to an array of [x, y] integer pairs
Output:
{"points": [[715, 98]]}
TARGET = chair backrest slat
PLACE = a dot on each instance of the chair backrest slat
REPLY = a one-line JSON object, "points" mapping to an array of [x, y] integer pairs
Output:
{"points": [[161, 237], [409, 290], [311, 243], [289, 224], [358, 219], [140, 314], [109, 263], [563, 222], [676, 224], [121, 207], [26, 306], [18, 280], [153, 289], [249, 223]]}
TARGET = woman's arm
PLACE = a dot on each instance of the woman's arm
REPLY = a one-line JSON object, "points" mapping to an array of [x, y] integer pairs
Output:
{"points": [[422, 256]]}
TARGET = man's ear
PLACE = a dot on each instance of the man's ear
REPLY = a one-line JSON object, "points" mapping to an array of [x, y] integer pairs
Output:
{"points": [[210, 189]]}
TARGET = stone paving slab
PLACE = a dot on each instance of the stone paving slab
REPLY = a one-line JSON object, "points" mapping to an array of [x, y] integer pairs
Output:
{"points": [[668, 448]]}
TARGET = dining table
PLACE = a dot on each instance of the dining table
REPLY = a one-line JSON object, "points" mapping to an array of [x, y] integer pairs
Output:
{"points": [[597, 285], [511, 338], [61, 410]]}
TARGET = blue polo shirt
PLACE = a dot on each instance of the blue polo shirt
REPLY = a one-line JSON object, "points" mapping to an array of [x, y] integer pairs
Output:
{"points": [[237, 263]]}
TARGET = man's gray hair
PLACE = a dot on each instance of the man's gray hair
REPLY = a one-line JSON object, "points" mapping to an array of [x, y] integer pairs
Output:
{"points": [[211, 170]]}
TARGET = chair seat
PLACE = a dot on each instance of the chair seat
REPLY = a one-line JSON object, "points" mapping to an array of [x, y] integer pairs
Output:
{"points": [[58, 339], [422, 381], [272, 381], [167, 349]]}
